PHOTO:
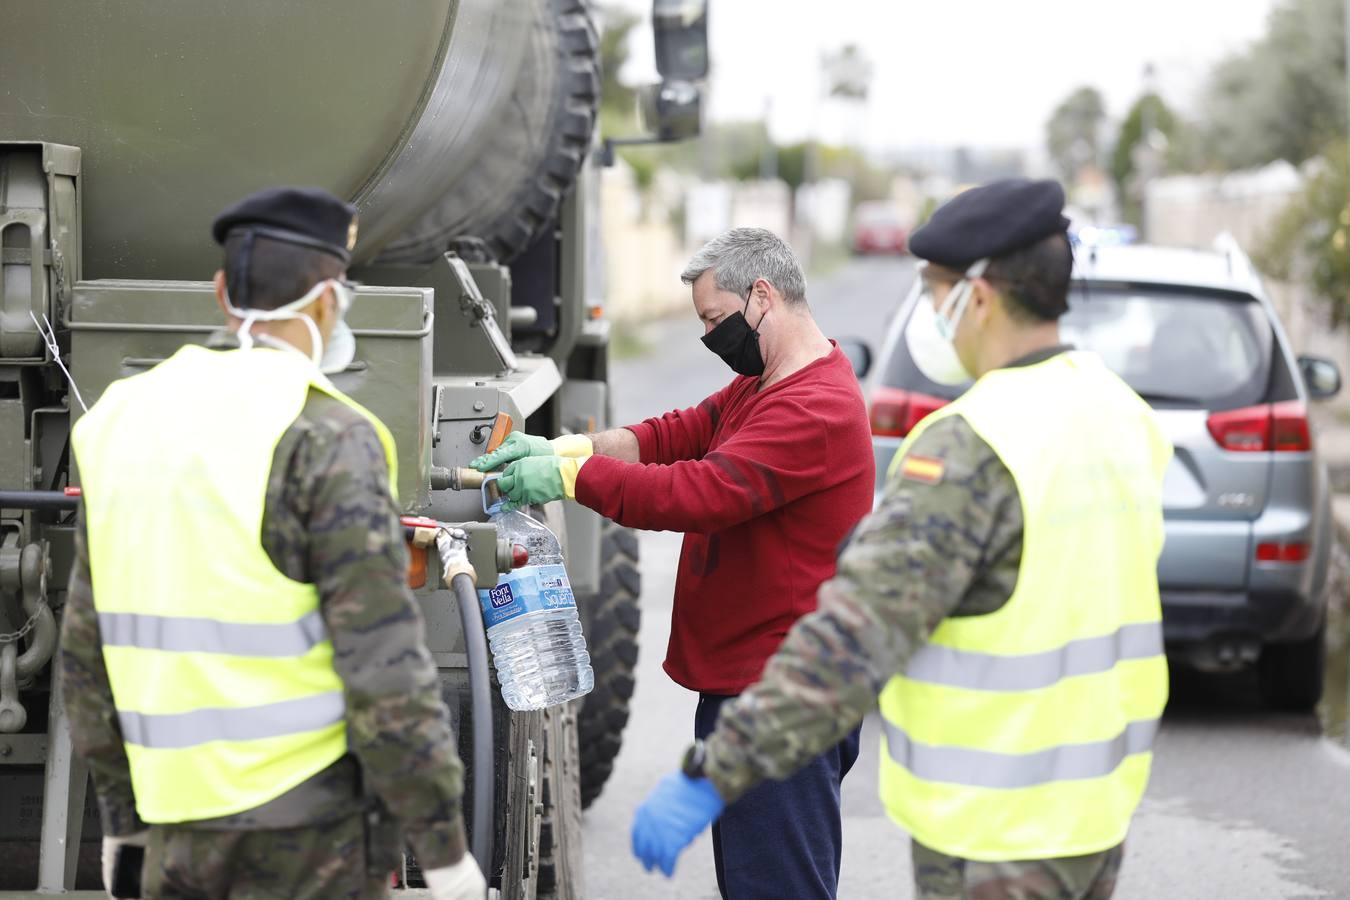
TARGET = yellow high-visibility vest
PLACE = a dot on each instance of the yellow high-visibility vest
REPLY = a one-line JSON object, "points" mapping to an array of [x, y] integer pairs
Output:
{"points": [[220, 666], [1027, 733]]}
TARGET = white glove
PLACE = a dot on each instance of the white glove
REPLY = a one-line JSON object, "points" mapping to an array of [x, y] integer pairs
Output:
{"points": [[112, 848], [462, 881]]}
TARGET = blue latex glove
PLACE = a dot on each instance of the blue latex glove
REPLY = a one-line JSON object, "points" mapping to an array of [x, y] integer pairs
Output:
{"points": [[675, 813]]}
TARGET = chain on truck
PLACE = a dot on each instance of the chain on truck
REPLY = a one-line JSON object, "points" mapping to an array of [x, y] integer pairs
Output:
{"points": [[463, 132]]}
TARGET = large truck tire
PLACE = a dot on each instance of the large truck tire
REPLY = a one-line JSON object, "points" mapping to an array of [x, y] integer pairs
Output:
{"points": [[560, 863], [557, 93], [575, 108], [610, 619]]}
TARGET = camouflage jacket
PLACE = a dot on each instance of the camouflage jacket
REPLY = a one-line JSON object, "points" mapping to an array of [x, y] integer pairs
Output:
{"points": [[329, 520], [943, 541]]}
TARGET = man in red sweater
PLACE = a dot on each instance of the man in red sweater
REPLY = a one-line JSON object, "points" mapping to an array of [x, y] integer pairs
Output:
{"points": [[765, 478]]}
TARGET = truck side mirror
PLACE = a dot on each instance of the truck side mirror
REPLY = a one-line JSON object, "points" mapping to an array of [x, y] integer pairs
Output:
{"points": [[673, 109], [1322, 376], [680, 28]]}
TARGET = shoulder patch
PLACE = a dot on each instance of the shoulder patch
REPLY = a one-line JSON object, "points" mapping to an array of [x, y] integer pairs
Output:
{"points": [[923, 469]]}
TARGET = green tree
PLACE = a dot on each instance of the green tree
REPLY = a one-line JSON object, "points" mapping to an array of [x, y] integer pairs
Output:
{"points": [[1285, 96], [1311, 239], [618, 101], [1147, 135], [1071, 134]]}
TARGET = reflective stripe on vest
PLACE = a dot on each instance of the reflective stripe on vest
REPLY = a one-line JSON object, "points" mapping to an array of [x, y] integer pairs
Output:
{"points": [[246, 723], [220, 665], [984, 769], [936, 664], [1026, 733], [184, 634]]}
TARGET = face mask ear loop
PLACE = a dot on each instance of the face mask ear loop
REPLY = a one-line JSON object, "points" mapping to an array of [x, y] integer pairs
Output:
{"points": [[315, 340], [959, 309], [747, 309], [342, 295], [960, 296], [244, 335]]}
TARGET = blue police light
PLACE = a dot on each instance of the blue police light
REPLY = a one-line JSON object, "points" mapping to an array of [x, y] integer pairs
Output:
{"points": [[1104, 235]]}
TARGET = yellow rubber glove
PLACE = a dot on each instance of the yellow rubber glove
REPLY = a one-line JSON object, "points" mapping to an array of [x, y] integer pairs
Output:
{"points": [[519, 445], [573, 446]]}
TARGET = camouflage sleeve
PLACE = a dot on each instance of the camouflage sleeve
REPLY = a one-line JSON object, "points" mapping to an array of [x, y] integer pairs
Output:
{"points": [[397, 723], [94, 729], [941, 524]]}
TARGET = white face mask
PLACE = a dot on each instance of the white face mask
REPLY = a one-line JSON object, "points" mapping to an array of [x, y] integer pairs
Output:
{"points": [[331, 358], [930, 332]]}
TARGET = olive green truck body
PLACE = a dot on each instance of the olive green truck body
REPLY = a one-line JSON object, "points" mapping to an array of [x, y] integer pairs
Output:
{"points": [[461, 129]]}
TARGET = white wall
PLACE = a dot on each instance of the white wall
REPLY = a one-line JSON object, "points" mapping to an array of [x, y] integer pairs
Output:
{"points": [[1191, 210]]}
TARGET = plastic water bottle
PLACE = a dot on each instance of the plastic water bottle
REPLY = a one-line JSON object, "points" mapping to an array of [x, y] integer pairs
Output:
{"points": [[532, 624]]}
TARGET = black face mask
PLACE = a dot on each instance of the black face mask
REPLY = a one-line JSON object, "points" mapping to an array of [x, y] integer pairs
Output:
{"points": [[737, 343]]}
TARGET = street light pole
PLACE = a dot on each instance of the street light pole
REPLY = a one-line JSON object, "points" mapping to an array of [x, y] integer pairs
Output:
{"points": [[1347, 65]]}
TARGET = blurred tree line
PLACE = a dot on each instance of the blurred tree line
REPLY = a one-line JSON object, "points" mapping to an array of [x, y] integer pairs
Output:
{"points": [[1311, 239], [1284, 97]]}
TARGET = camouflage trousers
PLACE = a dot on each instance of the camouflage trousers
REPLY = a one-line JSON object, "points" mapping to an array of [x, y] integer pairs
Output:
{"points": [[319, 862], [941, 877]]}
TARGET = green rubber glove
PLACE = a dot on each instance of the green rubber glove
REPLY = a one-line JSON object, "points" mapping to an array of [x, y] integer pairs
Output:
{"points": [[539, 479], [517, 445]]}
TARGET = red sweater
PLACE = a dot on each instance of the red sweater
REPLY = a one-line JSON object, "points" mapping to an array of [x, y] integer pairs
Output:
{"points": [[765, 485]]}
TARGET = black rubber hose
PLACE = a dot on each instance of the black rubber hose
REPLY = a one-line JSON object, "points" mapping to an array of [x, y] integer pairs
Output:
{"points": [[480, 692], [37, 500]]}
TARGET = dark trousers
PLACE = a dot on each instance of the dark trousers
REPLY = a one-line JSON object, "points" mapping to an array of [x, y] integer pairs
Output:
{"points": [[782, 839]]}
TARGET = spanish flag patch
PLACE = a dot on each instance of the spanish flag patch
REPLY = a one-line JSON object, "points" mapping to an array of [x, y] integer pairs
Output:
{"points": [[923, 469]]}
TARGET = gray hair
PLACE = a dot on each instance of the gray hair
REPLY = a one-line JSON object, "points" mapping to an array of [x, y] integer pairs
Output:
{"points": [[742, 255]]}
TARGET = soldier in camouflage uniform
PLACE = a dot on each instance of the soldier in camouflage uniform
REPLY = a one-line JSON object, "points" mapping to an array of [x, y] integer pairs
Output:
{"points": [[329, 519], [944, 543]]}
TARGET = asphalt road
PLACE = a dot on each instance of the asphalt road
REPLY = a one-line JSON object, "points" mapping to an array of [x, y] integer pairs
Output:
{"points": [[1243, 803]]}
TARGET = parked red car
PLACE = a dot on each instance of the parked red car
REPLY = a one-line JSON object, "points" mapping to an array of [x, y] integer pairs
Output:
{"points": [[877, 228]]}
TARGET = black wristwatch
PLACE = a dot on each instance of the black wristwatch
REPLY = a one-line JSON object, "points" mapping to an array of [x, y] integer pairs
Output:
{"points": [[694, 758]]}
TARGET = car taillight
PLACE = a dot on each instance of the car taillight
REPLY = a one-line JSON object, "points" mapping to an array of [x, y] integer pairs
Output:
{"points": [[1278, 427], [1285, 553], [895, 412]]}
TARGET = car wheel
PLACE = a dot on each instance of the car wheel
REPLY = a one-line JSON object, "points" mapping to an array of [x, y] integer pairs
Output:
{"points": [[1292, 674]]}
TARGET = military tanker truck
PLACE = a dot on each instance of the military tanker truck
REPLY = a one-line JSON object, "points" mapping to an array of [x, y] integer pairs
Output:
{"points": [[461, 129]]}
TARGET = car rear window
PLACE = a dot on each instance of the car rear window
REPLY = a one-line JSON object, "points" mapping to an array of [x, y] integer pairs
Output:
{"points": [[1176, 349]]}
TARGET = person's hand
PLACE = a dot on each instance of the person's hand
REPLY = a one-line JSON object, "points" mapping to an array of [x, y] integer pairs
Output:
{"points": [[462, 881], [539, 479], [675, 813], [132, 847], [519, 445]]}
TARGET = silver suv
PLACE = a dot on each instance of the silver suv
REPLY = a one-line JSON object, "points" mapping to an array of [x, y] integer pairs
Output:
{"points": [[1247, 502]]}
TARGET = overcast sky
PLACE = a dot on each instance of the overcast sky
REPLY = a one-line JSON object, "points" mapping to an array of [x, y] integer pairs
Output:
{"points": [[977, 72]]}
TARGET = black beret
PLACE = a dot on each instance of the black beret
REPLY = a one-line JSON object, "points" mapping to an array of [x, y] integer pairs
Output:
{"points": [[990, 221], [309, 217]]}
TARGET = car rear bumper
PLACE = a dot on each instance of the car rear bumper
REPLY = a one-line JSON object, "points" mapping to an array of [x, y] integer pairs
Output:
{"points": [[1275, 616]]}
